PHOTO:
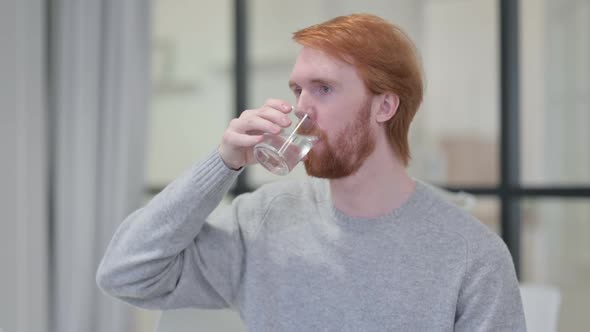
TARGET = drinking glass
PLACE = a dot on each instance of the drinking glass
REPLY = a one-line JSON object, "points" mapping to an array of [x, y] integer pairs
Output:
{"points": [[280, 153]]}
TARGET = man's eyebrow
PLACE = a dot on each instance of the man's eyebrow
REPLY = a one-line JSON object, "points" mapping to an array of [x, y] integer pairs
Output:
{"points": [[323, 81], [292, 84]]}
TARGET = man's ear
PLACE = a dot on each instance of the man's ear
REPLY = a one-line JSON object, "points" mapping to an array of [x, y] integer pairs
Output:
{"points": [[388, 106]]}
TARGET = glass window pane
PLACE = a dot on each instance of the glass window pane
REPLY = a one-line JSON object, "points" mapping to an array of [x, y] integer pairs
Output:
{"points": [[556, 251], [193, 98], [455, 134], [555, 87]]}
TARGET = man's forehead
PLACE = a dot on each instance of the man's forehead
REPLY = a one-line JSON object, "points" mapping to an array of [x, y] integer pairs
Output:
{"points": [[319, 57], [314, 64]]}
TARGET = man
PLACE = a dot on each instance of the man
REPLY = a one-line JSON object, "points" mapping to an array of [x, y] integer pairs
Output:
{"points": [[358, 246]]}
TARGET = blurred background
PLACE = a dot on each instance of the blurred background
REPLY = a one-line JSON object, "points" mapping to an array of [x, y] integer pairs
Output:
{"points": [[104, 102]]}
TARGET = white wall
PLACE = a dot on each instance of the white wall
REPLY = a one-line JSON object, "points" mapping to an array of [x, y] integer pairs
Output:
{"points": [[23, 209]]}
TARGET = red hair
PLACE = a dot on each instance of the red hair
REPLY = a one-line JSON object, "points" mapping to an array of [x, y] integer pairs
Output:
{"points": [[385, 58]]}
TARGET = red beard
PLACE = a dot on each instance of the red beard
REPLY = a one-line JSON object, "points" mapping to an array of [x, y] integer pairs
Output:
{"points": [[346, 154]]}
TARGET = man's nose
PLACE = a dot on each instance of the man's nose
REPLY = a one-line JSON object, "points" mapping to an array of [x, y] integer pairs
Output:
{"points": [[305, 105]]}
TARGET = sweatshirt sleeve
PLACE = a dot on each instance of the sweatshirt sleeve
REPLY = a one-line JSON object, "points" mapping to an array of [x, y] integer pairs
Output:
{"points": [[489, 299], [171, 254]]}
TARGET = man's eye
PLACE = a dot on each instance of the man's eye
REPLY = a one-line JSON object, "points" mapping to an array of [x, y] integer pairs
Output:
{"points": [[297, 91], [325, 89]]}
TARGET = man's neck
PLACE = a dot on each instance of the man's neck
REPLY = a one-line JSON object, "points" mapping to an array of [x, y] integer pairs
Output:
{"points": [[377, 188]]}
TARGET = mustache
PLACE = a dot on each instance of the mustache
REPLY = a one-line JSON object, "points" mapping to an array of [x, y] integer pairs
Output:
{"points": [[311, 131]]}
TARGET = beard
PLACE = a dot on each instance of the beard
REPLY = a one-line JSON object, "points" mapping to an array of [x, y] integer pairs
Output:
{"points": [[347, 153]]}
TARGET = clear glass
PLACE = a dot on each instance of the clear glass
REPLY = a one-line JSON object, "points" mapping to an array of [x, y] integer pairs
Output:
{"points": [[279, 154], [556, 252], [555, 92]]}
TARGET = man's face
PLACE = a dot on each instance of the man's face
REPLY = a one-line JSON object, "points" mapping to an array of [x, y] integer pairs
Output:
{"points": [[334, 95]]}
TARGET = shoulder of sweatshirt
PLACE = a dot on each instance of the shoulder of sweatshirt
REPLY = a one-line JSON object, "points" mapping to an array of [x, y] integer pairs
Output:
{"points": [[307, 189], [284, 198], [460, 225]]}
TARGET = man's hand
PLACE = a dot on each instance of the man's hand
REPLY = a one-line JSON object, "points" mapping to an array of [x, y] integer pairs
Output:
{"points": [[243, 133]]}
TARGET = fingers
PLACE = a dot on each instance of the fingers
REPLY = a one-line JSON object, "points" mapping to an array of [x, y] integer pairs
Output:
{"points": [[249, 122], [270, 108], [236, 139], [278, 104], [267, 119]]}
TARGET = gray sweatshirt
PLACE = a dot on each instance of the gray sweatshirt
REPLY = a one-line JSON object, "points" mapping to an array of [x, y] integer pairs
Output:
{"points": [[287, 260]]}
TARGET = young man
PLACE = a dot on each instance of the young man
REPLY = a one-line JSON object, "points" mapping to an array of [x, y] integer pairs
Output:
{"points": [[358, 246]]}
